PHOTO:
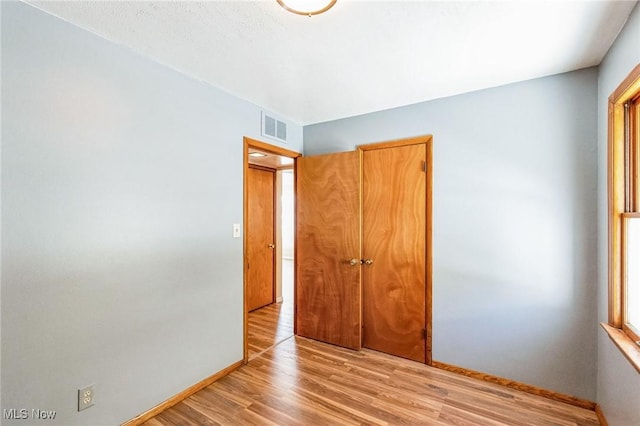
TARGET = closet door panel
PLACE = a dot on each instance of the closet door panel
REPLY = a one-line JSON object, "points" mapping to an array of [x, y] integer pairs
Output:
{"points": [[394, 249], [328, 289]]}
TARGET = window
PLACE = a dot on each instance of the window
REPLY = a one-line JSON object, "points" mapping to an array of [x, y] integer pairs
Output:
{"points": [[624, 217], [631, 278]]}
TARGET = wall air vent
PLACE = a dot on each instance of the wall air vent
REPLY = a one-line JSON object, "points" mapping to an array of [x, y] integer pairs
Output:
{"points": [[274, 128]]}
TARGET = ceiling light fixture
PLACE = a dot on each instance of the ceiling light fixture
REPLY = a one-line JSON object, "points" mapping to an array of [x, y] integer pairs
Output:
{"points": [[257, 154], [307, 7]]}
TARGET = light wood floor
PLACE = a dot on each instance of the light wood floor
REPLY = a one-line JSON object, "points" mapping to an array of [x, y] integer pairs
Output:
{"points": [[269, 326], [303, 382]]}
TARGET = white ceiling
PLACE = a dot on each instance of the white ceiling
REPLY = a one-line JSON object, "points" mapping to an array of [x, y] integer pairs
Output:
{"points": [[360, 56]]}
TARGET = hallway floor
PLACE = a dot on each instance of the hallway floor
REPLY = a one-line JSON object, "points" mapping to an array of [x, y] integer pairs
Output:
{"points": [[272, 324]]}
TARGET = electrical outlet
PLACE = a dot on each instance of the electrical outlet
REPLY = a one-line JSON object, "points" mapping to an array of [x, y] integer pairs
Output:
{"points": [[85, 397]]}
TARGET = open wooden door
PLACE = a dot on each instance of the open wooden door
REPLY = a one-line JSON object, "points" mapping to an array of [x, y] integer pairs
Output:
{"points": [[261, 237], [395, 243], [328, 292]]}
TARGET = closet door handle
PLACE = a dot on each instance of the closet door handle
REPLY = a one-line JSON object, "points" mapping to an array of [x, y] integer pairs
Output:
{"points": [[354, 262], [368, 262]]}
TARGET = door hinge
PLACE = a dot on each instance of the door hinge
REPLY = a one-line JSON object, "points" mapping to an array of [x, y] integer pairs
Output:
{"points": [[424, 166], [425, 334]]}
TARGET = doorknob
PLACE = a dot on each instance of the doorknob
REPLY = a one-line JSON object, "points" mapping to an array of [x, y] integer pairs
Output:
{"points": [[271, 246], [368, 262], [354, 262]]}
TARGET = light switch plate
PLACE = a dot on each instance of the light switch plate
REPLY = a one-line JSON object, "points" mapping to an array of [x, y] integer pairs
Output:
{"points": [[236, 230]]}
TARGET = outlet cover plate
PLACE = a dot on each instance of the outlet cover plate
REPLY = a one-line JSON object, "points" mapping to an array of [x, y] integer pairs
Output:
{"points": [[85, 397]]}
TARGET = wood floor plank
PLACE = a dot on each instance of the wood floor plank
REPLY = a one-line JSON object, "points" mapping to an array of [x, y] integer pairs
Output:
{"points": [[487, 408], [304, 382], [195, 416], [154, 422], [451, 416], [348, 414]]}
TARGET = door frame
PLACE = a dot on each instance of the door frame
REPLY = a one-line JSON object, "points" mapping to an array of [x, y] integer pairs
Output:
{"points": [[276, 150], [427, 140]]}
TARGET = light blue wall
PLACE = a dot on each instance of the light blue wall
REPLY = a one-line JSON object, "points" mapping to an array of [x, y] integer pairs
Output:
{"points": [[121, 180], [618, 381], [514, 230]]}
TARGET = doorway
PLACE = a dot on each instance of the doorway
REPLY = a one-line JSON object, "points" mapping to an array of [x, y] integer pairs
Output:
{"points": [[286, 196], [269, 176]]}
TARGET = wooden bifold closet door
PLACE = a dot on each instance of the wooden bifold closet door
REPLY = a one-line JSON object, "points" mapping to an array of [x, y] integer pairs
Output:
{"points": [[363, 274]]}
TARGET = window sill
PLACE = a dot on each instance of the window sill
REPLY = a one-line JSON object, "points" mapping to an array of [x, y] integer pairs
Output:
{"points": [[628, 347]]}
